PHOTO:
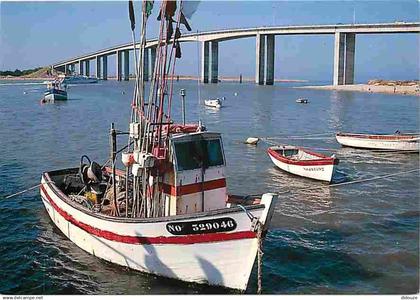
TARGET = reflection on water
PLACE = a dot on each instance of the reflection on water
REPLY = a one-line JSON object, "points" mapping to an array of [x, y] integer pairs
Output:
{"points": [[356, 238]]}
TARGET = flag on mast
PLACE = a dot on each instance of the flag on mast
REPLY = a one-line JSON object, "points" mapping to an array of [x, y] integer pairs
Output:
{"points": [[189, 8]]}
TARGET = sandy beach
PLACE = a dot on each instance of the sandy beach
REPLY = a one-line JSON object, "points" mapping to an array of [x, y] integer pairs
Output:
{"points": [[368, 88]]}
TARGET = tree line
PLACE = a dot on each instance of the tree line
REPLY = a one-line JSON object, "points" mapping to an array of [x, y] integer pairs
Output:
{"points": [[18, 72]]}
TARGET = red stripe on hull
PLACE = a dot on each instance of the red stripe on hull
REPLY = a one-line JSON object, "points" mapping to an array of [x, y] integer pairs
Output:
{"points": [[384, 137], [194, 187], [181, 240]]}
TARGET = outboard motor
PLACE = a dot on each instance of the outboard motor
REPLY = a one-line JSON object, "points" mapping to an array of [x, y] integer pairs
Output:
{"points": [[91, 175]]}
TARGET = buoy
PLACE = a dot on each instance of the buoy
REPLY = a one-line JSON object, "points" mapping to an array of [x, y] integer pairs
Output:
{"points": [[252, 141], [235, 94], [25, 92]]}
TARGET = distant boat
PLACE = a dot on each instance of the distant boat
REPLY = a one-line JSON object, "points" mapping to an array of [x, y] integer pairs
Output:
{"points": [[78, 79], [395, 142], [55, 92], [302, 100], [216, 103], [302, 162]]}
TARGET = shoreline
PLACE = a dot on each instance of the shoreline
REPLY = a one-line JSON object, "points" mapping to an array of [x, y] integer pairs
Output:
{"points": [[412, 90]]}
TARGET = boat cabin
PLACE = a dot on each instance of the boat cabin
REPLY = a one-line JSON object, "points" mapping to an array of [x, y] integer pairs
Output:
{"points": [[197, 181]]}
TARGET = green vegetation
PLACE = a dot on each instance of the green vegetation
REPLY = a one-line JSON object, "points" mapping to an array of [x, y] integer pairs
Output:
{"points": [[18, 72]]}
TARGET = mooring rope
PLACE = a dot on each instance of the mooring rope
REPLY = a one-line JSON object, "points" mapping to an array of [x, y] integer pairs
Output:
{"points": [[27, 190], [259, 256], [258, 227], [297, 138], [348, 182], [373, 178], [300, 136]]}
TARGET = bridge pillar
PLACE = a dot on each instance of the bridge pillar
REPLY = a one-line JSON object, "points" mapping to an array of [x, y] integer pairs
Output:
{"points": [[72, 68], [269, 76], [126, 65], [87, 65], [214, 62], [81, 69], [344, 50], [260, 59], [98, 67], [146, 65], [339, 44], [349, 66], [118, 67], [205, 62], [104, 67], [265, 47], [67, 69]]}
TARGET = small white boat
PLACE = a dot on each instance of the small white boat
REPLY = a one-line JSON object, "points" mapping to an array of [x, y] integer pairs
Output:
{"points": [[302, 100], [216, 103], [302, 162], [394, 142]]}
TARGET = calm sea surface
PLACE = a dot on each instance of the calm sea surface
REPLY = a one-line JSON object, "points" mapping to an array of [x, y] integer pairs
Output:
{"points": [[350, 239]]}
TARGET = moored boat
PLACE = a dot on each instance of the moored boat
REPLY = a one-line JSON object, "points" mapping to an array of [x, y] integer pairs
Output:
{"points": [[168, 213], [302, 162], [78, 79], [390, 142], [55, 92], [215, 103]]}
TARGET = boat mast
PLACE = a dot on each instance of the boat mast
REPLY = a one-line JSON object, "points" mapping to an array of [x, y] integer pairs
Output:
{"points": [[151, 120]]}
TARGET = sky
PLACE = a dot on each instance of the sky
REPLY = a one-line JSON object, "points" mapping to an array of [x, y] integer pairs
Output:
{"points": [[36, 34]]}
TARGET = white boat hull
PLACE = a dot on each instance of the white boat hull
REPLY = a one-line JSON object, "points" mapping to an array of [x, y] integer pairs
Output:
{"points": [[216, 103], [222, 259], [319, 172], [366, 143]]}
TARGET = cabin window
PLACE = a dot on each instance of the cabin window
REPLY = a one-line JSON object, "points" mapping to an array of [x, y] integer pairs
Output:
{"points": [[198, 154]]}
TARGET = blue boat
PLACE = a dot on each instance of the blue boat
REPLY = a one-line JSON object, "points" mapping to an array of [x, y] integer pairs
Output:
{"points": [[55, 92], [78, 79]]}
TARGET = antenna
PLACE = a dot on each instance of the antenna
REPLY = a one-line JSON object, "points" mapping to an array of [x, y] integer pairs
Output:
{"points": [[198, 79], [354, 15]]}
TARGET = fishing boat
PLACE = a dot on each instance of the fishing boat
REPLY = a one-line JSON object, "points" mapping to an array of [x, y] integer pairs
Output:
{"points": [[302, 162], [167, 212], [390, 142], [302, 100], [215, 103], [78, 79], [56, 91]]}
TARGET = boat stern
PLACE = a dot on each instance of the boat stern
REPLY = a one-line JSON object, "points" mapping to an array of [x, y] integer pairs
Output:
{"points": [[269, 200]]}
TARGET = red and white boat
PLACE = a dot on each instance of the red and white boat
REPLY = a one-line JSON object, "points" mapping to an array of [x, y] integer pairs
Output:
{"points": [[168, 213], [393, 142], [302, 162]]}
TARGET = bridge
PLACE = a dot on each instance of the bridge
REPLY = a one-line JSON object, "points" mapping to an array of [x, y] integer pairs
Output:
{"points": [[344, 50]]}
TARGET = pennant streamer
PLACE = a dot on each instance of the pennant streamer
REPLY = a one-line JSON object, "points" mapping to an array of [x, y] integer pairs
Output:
{"points": [[131, 14]]}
